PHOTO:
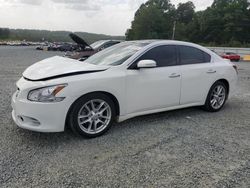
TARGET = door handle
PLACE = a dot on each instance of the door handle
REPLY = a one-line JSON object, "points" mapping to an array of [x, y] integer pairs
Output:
{"points": [[174, 75], [211, 71]]}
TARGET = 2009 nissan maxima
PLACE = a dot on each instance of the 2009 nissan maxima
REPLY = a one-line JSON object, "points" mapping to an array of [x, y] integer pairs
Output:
{"points": [[127, 80]]}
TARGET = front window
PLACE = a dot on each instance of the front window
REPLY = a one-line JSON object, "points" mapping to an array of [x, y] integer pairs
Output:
{"points": [[116, 55], [164, 56]]}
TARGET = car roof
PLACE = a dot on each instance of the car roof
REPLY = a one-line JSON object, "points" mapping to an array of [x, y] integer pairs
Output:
{"points": [[161, 41], [104, 41], [169, 42], [155, 42]]}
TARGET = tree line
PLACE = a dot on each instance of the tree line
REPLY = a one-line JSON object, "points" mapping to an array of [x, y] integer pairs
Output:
{"points": [[224, 23], [51, 36]]}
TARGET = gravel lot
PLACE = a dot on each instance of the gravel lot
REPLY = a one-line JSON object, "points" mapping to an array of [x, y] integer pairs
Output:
{"points": [[184, 148]]}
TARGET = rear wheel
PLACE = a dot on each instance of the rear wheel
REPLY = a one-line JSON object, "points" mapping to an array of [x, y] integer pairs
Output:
{"points": [[216, 97], [92, 115]]}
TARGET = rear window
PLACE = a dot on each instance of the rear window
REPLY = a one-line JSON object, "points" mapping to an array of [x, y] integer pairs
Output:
{"points": [[191, 55]]}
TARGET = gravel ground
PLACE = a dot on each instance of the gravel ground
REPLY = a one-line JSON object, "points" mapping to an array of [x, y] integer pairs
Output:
{"points": [[183, 148]]}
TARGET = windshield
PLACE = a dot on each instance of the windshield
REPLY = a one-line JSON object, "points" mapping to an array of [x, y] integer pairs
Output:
{"points": [[117, 54], [97, 44]]}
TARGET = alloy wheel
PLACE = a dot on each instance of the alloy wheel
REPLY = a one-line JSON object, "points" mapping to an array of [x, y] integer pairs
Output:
{"points": [[218, 97], [94, 116]]}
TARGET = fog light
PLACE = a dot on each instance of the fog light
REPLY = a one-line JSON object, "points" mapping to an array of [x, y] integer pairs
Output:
{"points": [[29, 120]]}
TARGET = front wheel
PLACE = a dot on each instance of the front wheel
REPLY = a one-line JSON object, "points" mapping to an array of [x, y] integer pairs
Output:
{"points": [[92, 115], [216, 97]]}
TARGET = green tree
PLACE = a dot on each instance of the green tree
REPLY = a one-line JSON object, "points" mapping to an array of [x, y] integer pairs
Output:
{"points": [[184, 16], [225, 22], [185, 12], [4, 33], [154, 19]]}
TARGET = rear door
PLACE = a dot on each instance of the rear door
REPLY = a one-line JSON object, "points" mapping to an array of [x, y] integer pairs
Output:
{"points": [[198, 74]]}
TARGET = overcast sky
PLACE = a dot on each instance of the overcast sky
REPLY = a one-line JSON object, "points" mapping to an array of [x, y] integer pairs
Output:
{"points": [[111, 17]]}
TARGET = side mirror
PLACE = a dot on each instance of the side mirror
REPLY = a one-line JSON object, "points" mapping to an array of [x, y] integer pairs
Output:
{"points": [[146, 64]]}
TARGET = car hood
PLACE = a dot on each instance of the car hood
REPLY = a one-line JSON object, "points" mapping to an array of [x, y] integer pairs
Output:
{"points": [[56, 67], [80, 41]]}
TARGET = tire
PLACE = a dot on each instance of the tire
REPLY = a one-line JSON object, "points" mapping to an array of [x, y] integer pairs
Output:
{"points": [[210, 104], [85, 117]]}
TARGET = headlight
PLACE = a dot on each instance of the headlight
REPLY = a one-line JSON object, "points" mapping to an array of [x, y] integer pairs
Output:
{"points": [[46, 94]]}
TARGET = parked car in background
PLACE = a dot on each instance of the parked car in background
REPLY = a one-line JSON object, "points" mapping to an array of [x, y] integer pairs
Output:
{"points": [[231, 56], [129, 79], [57, 46], [3, 43], [87, 50], [64, 47], [40, 47], [43, 46]]}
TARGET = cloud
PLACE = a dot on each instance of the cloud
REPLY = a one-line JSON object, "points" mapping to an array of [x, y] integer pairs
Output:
{"points": [[28, 2], [81, 7], [88, 5], [96, 5], [200, 5], [71, 1], [98, 16]]}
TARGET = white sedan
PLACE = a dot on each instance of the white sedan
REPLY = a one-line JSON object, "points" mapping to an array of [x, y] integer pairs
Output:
{"points": [[129, 79]]}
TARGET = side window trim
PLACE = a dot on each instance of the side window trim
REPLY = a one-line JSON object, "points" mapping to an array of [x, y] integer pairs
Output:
{"points": [[132, 66]]}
